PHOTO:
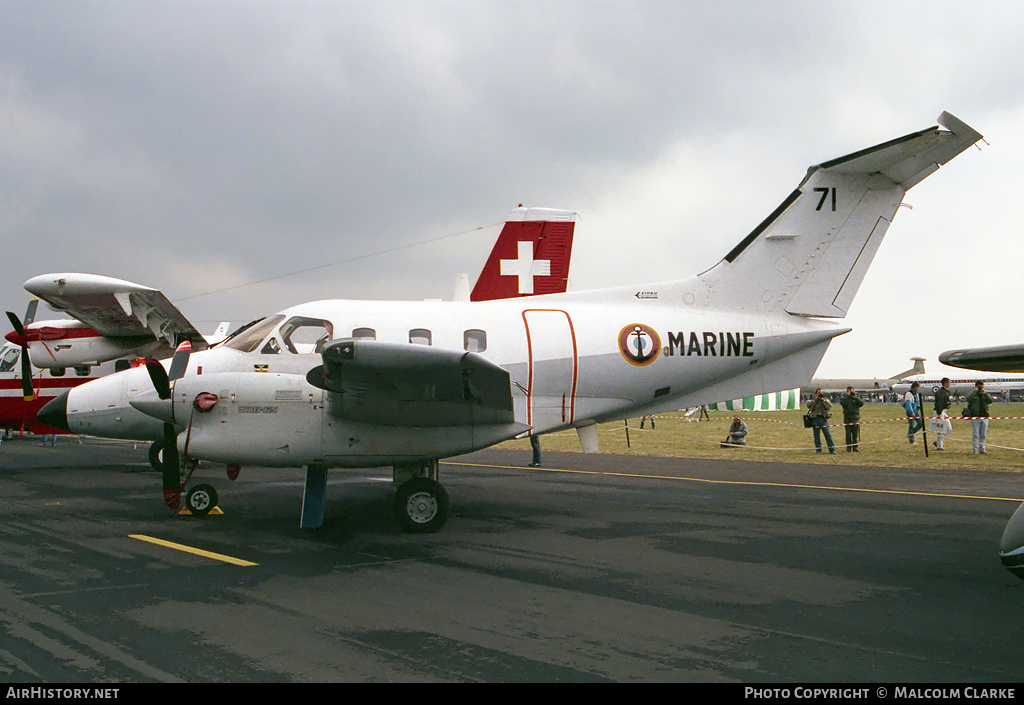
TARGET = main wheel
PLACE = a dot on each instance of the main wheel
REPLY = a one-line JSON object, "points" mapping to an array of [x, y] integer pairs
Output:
{"points": [[156, 455], [421, 506], [201, 499]]}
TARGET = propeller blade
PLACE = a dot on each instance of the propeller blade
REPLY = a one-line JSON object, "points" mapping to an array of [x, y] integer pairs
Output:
{"points": [[26, 375], [158, 375], [26, 363], [16, 322], [179, 363], [30, 312], [171, 468]]}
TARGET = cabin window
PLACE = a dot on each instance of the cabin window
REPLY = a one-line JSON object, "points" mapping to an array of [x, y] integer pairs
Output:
{"points": [[57, 371], [302, 335], [9, 358], [82, 370], [248, 339], [419, 336], [122, 365], [364, 334], [474, 340]]}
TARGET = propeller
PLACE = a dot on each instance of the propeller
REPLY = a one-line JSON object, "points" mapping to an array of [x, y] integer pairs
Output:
{"points": [[20, 338], [162, 383]]}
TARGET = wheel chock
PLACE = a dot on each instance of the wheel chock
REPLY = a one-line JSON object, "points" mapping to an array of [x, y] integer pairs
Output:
{"points": [[215, 512]]}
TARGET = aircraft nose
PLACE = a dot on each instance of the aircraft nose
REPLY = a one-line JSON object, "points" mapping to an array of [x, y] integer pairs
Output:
{"points": [[1011, 548], [55, 412]]}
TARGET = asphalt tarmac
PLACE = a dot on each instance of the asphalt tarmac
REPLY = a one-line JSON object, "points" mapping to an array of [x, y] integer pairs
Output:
{"points": [[593, 568]]}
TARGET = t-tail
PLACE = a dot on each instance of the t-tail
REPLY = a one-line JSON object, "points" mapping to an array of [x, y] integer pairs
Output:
{"points": [[531, 255], [809, 257]]}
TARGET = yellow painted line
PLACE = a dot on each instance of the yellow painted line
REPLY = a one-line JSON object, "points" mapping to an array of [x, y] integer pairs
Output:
{"points": [[740, 482], [195, 551]]}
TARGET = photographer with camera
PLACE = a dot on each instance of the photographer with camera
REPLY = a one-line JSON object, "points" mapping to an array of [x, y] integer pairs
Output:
{"points": [[819, 409], [851, 404]]}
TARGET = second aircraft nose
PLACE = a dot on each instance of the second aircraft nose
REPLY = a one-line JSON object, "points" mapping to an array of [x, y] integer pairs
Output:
{"points": [[55, 412]]}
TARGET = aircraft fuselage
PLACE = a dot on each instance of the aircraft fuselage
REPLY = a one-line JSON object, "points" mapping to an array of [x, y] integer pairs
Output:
{"points": [[571, 362]]}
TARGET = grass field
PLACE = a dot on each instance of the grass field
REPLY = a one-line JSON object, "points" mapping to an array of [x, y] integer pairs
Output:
{"points": [[780, 436]]}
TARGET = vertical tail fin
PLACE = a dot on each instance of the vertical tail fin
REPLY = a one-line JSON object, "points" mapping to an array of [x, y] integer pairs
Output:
{"points": [[809, 257], [531, 255]]}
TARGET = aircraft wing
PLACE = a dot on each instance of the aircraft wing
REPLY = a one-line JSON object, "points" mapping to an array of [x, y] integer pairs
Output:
{"points": [[115, 308], [1002, 358]]}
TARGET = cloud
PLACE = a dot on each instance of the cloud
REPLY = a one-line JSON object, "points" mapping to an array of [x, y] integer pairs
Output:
{"points": [[194, 146]]}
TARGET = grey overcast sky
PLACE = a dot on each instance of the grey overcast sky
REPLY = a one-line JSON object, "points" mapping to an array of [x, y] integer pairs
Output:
{"points": [[195, 146]]}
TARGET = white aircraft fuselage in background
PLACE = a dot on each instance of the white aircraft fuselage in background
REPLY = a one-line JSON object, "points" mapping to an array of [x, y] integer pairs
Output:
{"points": [[962, 383]]}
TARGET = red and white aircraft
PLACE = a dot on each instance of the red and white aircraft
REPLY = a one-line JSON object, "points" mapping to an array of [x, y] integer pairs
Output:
{"points": [[531, 255], [403, 384]]}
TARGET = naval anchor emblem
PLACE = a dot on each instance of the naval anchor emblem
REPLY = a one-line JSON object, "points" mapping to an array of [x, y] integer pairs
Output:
{"points": [[639, 344]]}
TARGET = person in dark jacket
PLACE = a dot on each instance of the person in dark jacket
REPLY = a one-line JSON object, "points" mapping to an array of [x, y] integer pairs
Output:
{"points": [[978, 402], [941, 404], [851, 404], [820, 408]]}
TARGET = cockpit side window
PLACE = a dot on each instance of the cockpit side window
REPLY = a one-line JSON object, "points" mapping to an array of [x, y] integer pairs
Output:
{"points": [[9, 359], [302, 335], [249, 339]]}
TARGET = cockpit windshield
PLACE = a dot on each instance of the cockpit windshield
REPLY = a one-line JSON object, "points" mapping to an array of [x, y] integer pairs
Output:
{"points": [[249, 339], [9, 358], [298, 335]]}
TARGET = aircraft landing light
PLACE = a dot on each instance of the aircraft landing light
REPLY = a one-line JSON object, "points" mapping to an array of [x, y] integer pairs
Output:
{"points": [[195, 551], [739, 482]]}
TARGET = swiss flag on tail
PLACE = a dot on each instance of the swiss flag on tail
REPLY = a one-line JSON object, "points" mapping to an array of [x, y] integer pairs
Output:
{"points": [[530, 257]]}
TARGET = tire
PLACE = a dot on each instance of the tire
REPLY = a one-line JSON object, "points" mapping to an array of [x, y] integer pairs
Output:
{"points": [[421, 506], [201, 499], [155, 455]]}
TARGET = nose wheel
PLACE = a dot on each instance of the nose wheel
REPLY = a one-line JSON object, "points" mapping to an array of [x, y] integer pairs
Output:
{"points": [[201, 499], [421, 506]]}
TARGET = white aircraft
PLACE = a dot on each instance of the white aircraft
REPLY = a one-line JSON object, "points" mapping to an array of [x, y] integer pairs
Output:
{"points": [[386, 383], [870, 386], [962, 384]]}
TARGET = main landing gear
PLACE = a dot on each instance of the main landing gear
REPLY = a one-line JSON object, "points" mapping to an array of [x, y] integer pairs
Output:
{"points": [[421, 502], [156, 457]]}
